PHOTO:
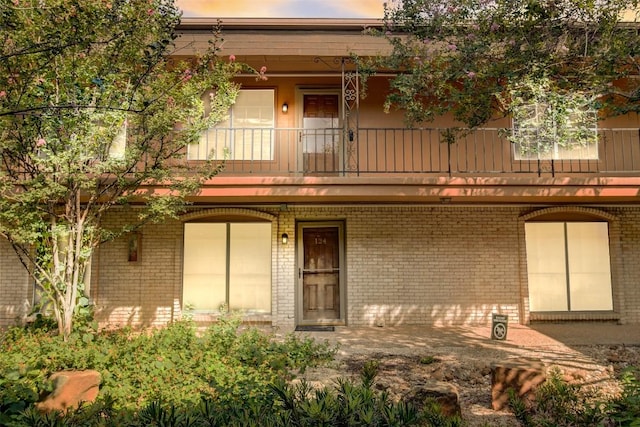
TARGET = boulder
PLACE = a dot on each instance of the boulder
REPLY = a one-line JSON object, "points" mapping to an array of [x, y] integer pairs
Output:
{"points": [[444, 394], [70, 388], [519, 375]]}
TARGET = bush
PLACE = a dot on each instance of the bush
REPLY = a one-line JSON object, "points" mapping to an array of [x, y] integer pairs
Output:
{"points": [[352, 404], [348, 404], [558, 403], [625, 410], [174, 365]]}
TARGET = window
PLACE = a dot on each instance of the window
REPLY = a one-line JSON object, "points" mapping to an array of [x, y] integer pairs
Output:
{"points": [[106, 139], [568, 266], [119, 143], [555, 128], [227, 264], [246, 133]]}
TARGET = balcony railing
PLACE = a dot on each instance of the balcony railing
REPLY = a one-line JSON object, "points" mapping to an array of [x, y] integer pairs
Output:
{"points": [[373, 151]]}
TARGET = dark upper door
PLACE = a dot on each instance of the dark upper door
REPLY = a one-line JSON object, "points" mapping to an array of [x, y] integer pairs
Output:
{"points": [[321, 133]]}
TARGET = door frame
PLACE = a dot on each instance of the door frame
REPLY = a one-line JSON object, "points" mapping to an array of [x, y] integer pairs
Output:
{"points": [[300, 92], [342, 288]]}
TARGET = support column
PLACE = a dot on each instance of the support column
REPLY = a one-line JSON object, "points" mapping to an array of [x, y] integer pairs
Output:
{"points": [[350, 109]]}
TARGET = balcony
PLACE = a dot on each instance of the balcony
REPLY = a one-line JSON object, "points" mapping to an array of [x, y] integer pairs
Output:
{"points": [[369, 152]]}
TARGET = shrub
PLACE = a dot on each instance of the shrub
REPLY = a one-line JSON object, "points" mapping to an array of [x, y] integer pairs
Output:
{"points": [[348, 404], [226, 376], [352, 404], [625, 410], [428, 360], [558, 403], [174, 365]]}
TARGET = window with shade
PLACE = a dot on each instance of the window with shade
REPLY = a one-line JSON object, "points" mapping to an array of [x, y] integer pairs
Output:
{"points": [[227, 265], [555, 131], [246, 132], [568, 266]]}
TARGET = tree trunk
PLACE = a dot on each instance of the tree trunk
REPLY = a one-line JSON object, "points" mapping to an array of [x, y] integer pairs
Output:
{"points": [[67, 323]]}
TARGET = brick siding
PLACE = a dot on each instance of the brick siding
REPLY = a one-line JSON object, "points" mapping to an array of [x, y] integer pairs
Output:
{"points": [[443, 265], [16, 290], [423, 265]]}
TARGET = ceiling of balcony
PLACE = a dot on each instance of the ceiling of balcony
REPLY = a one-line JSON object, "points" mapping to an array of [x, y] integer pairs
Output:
{"points": [[425, 190]]}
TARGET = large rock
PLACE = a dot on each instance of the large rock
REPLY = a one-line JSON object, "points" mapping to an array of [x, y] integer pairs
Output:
{"points": [[520, 375], [70, 388], [444, 394]]}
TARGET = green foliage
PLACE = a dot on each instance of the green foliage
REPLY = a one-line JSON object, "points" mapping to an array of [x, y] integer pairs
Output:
{"points": [[352, 404], [100, 414], [312, 408], [94, 113], [228, 376], [433, 416], [625, 410], [174, 365], [428, 360], [558, 403], [348, 404], [544, 121], [468, 57], [519, 409]]}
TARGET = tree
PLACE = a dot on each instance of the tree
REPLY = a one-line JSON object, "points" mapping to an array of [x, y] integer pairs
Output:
{"points": [[481, 59], [94, 114]]}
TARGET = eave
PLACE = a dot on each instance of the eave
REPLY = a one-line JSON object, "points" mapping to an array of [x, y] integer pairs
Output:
{"points": [[419, 190], [324, 24]]}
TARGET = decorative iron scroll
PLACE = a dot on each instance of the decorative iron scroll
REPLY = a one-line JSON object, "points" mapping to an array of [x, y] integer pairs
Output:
{"points": [[350, 109]]}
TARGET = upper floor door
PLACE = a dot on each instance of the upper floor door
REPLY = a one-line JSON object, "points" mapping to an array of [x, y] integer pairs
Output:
{"points": [[320, 135]]}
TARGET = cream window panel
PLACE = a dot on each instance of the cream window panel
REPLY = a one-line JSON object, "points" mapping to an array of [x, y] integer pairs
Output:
{"points": [[227, 264], [250, 267], [537, 135], [119, 144], [589, 266], [247, 133], [204, 281], [546, 266], [568, 266]]}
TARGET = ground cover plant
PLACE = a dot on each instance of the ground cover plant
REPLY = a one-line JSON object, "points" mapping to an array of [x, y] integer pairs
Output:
{"points": [[559, 403], [175, 365], [231, 375], [228, 375], [257, 393]]}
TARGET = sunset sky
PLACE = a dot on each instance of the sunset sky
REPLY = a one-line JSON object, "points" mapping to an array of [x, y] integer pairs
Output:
{"points": [[282, 8]]}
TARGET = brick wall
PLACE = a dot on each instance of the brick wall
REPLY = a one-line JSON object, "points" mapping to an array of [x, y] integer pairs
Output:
{"points": [[445, 265], [285, 274], [141, 293], [422, 265], [16, 290], [628, 287]]}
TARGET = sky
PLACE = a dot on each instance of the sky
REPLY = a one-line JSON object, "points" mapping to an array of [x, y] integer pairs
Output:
{"points": [[282, 8]]}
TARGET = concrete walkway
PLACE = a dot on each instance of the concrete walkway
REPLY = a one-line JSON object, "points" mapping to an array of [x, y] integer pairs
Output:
{"points": [[555, 344], [585, 333], [581, 351], [533, 338]]}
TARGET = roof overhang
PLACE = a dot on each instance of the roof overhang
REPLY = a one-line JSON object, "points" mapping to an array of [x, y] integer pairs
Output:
{"points": [[279, 24], [258, 38], [460, 190]]}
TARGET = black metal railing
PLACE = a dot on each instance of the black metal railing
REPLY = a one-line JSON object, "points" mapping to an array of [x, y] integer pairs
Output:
{"points": [[372, 151]]}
